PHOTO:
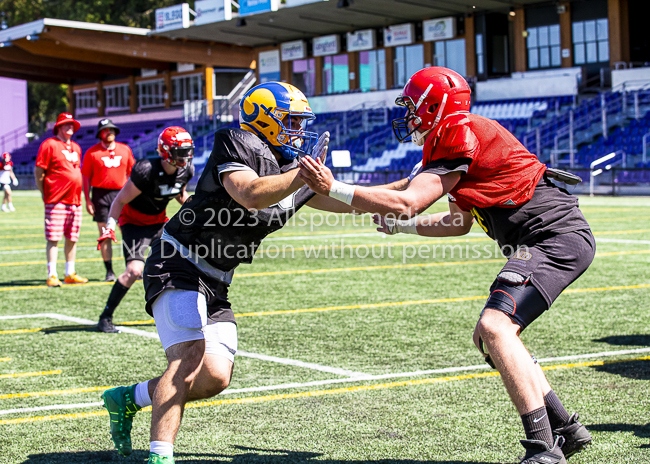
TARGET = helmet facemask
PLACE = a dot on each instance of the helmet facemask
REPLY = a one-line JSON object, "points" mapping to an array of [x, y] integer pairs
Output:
{"points": [[292, 141], [181, 156]]}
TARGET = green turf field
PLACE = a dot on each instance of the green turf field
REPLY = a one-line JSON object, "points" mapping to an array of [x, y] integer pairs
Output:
{"points": [[365, 358]]}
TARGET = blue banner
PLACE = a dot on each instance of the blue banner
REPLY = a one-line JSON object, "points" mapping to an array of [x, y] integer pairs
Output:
{"points": [[247, 7]]}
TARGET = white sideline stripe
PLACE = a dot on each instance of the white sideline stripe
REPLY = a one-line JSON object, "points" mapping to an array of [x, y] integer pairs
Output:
{"points": [[622, 240], [154, 335], [286, 386]]}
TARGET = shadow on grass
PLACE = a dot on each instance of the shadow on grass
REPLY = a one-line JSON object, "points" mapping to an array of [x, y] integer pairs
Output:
{"points": [[250, 455], [641, 431], [22, 283], [626, 340], [69, 328], [637, 370]]}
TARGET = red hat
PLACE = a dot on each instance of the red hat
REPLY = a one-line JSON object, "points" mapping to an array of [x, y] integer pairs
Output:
{"points": [[65, 118]]}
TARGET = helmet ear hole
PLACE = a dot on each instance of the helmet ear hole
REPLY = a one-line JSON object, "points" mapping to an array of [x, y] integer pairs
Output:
{"points": [[433, 108]]}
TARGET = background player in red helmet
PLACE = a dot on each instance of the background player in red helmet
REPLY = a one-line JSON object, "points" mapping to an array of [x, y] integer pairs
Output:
{"points": [[7, 177], [490, 176], [141, 208], [58, 177], [106, 167]]}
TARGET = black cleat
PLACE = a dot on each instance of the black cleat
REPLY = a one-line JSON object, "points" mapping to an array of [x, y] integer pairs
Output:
{"points": [[110, 277], [576, 436], [538, 452], [105, 325]]}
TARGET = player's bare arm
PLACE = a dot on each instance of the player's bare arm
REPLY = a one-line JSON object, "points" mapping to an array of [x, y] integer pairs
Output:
{"points": [[422, 192], [255, 192], [452, 223], [39, 176], [89, 204], [128, 193]]}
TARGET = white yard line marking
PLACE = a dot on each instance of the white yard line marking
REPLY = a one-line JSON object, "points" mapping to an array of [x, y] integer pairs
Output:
{"points": [[287, 386], [154, 335]]}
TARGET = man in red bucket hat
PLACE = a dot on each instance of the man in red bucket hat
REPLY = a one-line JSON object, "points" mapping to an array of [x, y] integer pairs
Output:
{"points": [[58, 177]]}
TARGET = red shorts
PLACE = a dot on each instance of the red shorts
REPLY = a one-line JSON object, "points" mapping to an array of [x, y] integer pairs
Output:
{"points": [[62, 219]]}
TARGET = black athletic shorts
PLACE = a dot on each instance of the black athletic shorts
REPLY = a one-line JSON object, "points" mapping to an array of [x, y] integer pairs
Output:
{"points": [[546, 268], [102, 200], [137, 239], [166, 269]]}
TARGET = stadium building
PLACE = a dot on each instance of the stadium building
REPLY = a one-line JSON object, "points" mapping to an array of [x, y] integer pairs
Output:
{"points": [[568, 78]]}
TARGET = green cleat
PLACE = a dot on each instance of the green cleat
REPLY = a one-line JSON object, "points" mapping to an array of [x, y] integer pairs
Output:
{"points": [[120, 403], [158, 459]]}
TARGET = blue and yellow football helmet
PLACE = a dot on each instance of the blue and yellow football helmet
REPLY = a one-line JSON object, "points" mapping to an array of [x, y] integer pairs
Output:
{"points": [[263, 110]]}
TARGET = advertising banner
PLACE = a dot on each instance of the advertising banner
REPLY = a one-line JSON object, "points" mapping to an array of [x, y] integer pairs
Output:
{"points": [[326, 45], [211, 11], [361, 40], [269, 66], [173, 17], [248, 7], [439, 29], [296, 50], [402, 34]]}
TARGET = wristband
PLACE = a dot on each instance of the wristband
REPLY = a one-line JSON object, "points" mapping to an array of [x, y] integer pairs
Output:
{"points": [[342, 192], [407, 227], [111, 223]]}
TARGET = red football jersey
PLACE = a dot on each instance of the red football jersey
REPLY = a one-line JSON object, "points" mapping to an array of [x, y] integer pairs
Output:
{"points": [[62, 164], [108, 169], [501, 171], [130, 215]]}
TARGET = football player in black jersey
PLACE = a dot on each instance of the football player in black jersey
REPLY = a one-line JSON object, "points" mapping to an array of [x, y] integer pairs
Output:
{"points": [[248, 189], [141, 208]]}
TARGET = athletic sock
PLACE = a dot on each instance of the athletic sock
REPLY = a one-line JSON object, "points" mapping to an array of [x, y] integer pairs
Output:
{"points": [[162, 448], [537, 426], [557, 414], [142, 397], [116, 295], [51, 269], [69, 268], [108, 265]]}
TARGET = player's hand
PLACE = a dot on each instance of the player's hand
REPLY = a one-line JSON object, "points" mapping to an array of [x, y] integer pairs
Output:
{"points": [[15, 181], [106, 235], [320, 149], [90, 208], [316, 175], [386, 226], [416, 170]]}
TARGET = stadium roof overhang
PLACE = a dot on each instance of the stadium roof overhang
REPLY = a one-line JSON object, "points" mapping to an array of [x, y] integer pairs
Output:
{"points": [[59, 51], [326, 17]]}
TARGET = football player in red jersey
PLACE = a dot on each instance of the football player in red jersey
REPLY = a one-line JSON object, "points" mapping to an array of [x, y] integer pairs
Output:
{"points": [[58, 178], [106, 167], [141, 207], [7, 177], [488, 175]]}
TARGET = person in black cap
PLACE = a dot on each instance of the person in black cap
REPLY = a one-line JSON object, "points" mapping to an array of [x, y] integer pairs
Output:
{"points": [[106, 167]]}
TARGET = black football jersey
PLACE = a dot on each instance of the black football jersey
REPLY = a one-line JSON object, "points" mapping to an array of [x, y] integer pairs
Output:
{"points": [[158, 188], [212, 224]]}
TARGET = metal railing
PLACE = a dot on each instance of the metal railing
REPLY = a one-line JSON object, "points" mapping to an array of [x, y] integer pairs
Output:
{"points": [[14, 136]]}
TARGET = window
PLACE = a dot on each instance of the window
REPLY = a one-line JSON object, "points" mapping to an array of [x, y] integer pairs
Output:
{"points": [[408, 60], [544, 47], [117, 98], [85, 101], [336, 74], [150, 94], [304, 76], [451, 54], [590, 41], [186, 88], [372, 70]]}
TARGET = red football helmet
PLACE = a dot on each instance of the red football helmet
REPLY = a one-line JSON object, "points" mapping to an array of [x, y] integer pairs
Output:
{"points": [[429, 96], [175, 145]]}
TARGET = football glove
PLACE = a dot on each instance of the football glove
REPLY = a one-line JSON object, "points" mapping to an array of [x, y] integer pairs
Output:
{"points": [[15, 182], [320, 149], [416, 170], [108, 232]]}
